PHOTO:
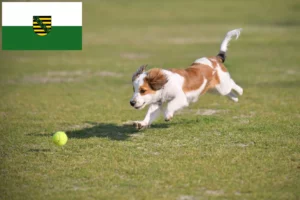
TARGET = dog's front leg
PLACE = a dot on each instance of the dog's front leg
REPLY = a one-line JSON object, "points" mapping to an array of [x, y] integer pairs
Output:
{"points": [[152, 114], [179, 102]]}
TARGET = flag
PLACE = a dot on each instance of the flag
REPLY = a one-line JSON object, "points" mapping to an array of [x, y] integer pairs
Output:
{"points": [[41, 25]]}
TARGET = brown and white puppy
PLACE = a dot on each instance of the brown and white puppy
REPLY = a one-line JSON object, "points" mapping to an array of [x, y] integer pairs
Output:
{"points": [[179, 87]]}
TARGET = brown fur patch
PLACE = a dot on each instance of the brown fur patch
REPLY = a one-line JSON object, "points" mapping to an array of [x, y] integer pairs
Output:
{"points": [[146, 89], [194, 77], [155, 79], [211, 84]]}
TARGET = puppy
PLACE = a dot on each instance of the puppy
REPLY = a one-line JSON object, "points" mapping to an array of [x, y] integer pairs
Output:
{"points": [[180, 87]]}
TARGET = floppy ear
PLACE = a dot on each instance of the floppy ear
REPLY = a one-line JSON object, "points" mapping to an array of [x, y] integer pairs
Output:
{"points": [[156, 79], [140, 70]]}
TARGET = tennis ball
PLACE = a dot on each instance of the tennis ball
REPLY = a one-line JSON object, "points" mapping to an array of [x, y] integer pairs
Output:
{"points": [[60, 138]]}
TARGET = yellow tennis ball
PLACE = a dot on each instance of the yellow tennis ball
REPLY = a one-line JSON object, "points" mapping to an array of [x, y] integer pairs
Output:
{"points": [[60, 138]]}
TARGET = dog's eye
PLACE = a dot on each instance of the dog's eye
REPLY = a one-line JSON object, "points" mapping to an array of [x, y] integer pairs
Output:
{"points": [[142, 91]]}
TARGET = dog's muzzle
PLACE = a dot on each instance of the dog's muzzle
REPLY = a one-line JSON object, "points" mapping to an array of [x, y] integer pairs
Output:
{"points": [[132, 102]]}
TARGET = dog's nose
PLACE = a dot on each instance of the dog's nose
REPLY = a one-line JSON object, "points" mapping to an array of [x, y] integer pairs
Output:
{"points": [[132, 102]]}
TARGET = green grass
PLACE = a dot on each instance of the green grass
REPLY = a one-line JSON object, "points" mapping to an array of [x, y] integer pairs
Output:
{"points": [[248, 150]]}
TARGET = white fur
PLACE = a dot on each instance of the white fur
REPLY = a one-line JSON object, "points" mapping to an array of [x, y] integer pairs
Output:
{"points": [[153, 112], [140, 102], [204, 61], [172, 92], [227, 84], [228, 37]]}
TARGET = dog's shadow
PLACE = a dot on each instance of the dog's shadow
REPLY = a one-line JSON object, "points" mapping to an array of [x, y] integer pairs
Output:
{"points": [[103, 130], [108, 130]]}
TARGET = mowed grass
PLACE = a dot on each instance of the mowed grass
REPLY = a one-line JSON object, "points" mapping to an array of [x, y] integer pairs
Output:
{"points": [[215, 149]]}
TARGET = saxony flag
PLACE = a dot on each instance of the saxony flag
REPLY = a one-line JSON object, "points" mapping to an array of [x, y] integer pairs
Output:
{"points": [[41, 26]]}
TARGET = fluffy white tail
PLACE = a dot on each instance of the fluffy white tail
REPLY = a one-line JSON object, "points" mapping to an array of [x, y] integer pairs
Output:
{"points": [[228, 37], [224, 45]]}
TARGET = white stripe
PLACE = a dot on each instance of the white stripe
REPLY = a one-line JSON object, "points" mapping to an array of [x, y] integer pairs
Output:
{"points": [[62, 13], [204, 61]]}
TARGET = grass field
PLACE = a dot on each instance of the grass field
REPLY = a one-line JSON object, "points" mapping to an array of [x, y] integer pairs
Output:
{"points": [[215, 149]]}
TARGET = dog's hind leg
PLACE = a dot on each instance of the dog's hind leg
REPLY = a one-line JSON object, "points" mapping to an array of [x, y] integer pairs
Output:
{"points": [[225, 84], [237, 88], [233, 97]]}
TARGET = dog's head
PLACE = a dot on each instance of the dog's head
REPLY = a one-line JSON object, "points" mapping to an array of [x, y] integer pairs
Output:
{"points": [[146, 85]]}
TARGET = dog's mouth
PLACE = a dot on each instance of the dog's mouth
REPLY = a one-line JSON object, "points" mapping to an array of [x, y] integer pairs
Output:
{"points": [[140, 107]]}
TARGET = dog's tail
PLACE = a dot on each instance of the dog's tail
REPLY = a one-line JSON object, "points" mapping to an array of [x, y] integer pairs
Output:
{"points": [[225, 43]]}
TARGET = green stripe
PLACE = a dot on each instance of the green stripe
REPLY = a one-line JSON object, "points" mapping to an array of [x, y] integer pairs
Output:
{"points": [[59, 38]]}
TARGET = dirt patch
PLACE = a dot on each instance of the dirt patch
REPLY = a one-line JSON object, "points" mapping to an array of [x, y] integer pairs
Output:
{"points": [[59, 60], [291, 72], [242, 145], [62, 77], [45, 79], [186, 197], [202, 112], [106, 73], [214, 192], [208, 111], [134, 56], [245, 118], [68, 73]]}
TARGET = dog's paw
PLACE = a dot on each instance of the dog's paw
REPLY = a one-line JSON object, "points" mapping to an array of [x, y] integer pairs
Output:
{"points": [[168, 117], [241, 92], [140, 125]]}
